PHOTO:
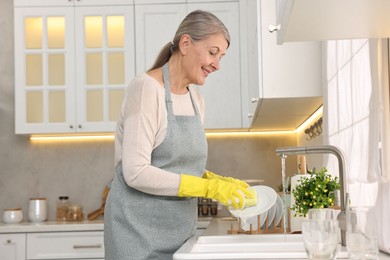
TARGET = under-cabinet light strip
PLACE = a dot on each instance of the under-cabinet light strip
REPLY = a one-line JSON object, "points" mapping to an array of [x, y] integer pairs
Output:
{"points": [[72, 137], [310, 120], [96, 137]]}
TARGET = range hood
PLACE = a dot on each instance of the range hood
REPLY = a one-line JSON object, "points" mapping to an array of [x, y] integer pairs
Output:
{"points": [[284, 114]]}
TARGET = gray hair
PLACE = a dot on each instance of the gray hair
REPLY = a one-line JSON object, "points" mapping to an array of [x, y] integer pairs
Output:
{"points": [[198, 25]]}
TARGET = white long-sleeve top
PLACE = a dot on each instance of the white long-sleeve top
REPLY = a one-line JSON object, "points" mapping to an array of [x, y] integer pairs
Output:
{"points": [[142, 126]]}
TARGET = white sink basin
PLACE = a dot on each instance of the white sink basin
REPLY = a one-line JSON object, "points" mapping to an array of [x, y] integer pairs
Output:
{"points": [[270, 246]]}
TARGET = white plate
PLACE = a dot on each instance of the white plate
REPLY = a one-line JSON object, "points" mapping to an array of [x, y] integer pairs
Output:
{"points": [[279, 210], [266, 198], [271, 215], [275, 213]]}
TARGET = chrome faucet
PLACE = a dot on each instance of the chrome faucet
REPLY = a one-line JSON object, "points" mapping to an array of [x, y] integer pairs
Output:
{"points": [[326, 149]]}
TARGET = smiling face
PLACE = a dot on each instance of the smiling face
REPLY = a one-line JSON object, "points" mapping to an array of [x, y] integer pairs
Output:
{"points": [[202, 57]]}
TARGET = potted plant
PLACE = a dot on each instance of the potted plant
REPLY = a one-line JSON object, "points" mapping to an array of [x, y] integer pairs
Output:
{"points": [[315, 191]]}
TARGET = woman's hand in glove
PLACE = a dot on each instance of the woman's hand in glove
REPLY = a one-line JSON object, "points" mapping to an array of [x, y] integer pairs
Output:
{"points": [[223, 191], [210, 175]]}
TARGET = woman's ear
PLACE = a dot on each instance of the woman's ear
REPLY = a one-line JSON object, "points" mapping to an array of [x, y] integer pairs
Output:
{"points": [[184, 43]]}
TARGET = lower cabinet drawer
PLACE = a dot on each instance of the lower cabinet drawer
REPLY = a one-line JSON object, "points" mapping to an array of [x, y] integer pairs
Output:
{"points": [[65, 245]]}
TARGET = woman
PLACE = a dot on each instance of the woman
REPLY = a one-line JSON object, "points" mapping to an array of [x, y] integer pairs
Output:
{"points": [[161, 149]]}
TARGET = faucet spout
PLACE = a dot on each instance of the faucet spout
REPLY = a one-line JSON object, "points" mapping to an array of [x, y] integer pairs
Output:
{"points": [[327, 149]]}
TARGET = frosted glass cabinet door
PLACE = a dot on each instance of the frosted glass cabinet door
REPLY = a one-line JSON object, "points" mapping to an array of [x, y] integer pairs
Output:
{"points": [[72, 65], [44, 81], [104, 58]]}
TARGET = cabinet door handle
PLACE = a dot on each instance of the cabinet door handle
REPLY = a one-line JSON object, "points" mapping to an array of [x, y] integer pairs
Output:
{"points": [[273, 28], [80, 126], [250, 115], [76, 246], [254, 100], [8, 242]]}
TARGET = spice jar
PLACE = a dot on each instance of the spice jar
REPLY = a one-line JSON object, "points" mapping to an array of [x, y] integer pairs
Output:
{"points": [[205, 207], [75, 213], [62, 208], [214, 207]]}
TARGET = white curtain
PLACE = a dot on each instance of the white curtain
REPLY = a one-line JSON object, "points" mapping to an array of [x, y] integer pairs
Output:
{"points": [[357, 119], [380, 114], [380, 128]]}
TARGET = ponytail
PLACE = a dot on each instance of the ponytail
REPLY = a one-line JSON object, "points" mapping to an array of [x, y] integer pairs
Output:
{"points": [[163, 57]]}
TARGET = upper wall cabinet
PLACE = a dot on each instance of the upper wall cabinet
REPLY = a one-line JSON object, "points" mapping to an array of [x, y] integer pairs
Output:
{"points": [[318, 20], [72, 64], [224, 89], [290, 78], [48, 3], [155, 26], [74, 59]]}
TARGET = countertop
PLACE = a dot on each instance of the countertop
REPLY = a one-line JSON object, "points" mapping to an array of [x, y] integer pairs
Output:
{"points": [[52, 226], [55, 226], [220, 227]]}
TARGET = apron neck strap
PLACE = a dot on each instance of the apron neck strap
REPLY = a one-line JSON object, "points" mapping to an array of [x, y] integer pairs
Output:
{"points": [[167, 86]]}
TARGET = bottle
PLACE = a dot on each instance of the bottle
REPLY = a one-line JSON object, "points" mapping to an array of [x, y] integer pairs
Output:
{"points": [[62, 208]]}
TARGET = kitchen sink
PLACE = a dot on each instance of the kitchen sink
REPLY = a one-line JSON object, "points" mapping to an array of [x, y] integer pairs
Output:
{"points": [[270, 246]]}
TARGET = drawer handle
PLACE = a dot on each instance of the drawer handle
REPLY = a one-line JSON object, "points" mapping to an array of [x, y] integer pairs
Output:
{"points": [[87, 246]]}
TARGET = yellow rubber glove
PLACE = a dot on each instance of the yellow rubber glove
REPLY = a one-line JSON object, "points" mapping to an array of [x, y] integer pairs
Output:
{"points": [[227, 193], [210, 175]]}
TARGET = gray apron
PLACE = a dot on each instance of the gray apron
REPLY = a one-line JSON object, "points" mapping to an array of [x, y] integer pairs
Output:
{"points": [[138, 225]]}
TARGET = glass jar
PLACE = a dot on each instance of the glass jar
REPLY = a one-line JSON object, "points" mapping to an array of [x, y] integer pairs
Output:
{"points": [[214, 207], [205, 206], [75, 213], [62, 208]]}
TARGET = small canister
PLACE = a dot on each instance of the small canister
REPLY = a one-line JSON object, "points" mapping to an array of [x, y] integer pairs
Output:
{"points": [[12, 216], [74, 213], [37, 210]]}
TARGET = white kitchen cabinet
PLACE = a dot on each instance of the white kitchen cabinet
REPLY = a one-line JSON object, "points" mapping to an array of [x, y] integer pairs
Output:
{"points": [[223, 89], [72, 64], [290, 77], [66, 83], [156, 25], [48, 3], [65, 245], [317, 20], [143, 2], [13, 246]]}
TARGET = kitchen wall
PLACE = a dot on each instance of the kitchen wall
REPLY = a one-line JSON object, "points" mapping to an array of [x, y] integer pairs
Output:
{"points": [[312, 160], [82, 169]]}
